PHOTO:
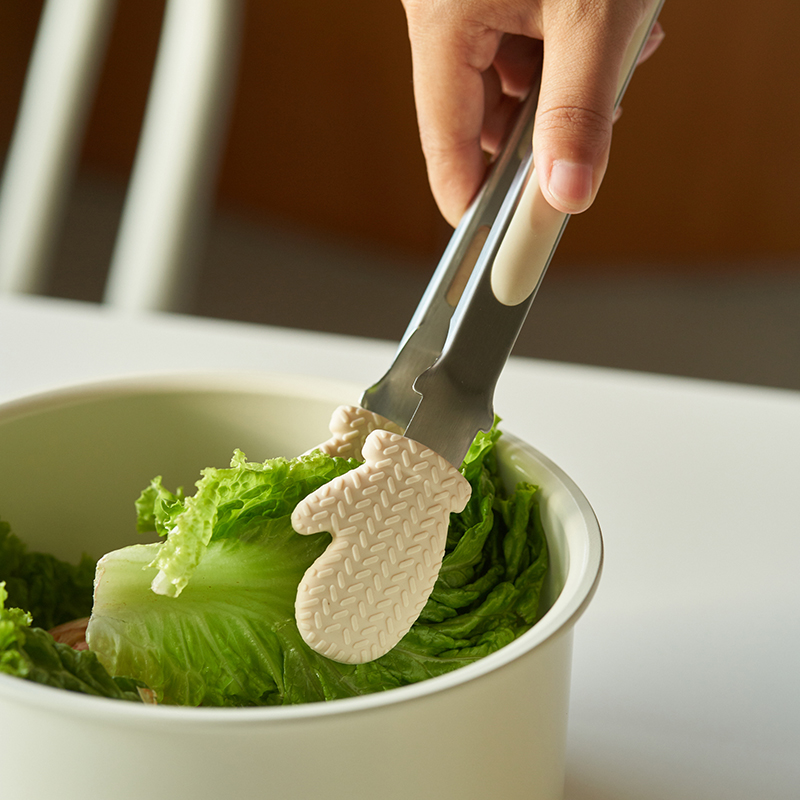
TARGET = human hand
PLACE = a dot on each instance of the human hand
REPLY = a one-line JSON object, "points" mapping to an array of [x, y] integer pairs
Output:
{"points": [[474, 60]]}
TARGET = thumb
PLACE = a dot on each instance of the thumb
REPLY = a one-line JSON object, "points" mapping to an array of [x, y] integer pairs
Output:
{"points": [[575, 114]]}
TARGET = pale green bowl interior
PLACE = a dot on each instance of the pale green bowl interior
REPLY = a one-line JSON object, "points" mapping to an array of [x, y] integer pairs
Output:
{"points": [[71, 466]]}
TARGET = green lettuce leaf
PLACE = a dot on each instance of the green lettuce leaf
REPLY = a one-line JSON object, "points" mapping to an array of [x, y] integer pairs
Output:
{"points": [[231, 555], [33, 654], [53, 591], [225, 500], [13, 623]]}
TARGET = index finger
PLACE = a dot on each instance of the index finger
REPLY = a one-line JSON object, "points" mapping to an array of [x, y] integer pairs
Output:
{"points": [[450, 95]]}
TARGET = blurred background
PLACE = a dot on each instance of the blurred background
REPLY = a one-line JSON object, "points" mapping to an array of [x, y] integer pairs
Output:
{"points": [[687, 264]]}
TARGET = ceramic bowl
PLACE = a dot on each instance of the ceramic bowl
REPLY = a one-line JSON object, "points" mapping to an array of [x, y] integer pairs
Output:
{"points": [[71, 464]]}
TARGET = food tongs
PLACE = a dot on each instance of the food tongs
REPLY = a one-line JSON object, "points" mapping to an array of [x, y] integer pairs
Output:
{"points": [[388, 518]]}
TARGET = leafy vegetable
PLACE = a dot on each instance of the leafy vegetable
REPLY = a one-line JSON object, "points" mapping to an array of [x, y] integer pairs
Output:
{"points": [[32, 653], [225, 501], [231, 555], [222, 631], [53, 591]]}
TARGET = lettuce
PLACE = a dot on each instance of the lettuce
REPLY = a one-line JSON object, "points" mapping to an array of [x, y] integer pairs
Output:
{"points": [[232, 558], [32, 653], [53, 591], [39, 588], [220, 629]]}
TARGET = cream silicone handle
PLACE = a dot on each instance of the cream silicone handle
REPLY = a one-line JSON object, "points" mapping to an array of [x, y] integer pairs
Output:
{"points": [[536, 227], [527, 246]]}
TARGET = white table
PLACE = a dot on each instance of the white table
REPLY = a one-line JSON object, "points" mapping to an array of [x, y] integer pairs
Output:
{"points": [[687, 664]]}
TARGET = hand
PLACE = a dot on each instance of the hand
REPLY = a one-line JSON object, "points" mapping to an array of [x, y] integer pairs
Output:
{"points": [[474, 59]]}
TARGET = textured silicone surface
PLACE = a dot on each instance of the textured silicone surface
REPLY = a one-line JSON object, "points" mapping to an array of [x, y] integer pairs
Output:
{"points": [[350, 426], [388, 519]]}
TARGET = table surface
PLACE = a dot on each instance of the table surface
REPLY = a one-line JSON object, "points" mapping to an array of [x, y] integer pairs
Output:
{"points": [[686, 678]]}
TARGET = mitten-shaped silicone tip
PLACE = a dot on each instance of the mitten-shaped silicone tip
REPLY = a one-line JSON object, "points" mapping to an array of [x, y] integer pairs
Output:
{"points": [[350, 426], [388, 520]]}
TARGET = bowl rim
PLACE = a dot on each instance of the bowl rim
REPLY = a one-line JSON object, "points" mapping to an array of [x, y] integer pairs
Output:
{"points": [[559, 619]]}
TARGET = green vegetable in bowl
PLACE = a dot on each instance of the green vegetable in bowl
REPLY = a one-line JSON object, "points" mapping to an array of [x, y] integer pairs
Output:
{"points": [[229, 636], [51, 590], [32, 653]]}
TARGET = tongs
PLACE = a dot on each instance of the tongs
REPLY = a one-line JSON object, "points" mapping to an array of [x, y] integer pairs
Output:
{"points": [[440, 386], [414, 426]]}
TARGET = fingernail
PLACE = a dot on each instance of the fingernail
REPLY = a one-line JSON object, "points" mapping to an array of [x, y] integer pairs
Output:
{"points": [[571, 184]]}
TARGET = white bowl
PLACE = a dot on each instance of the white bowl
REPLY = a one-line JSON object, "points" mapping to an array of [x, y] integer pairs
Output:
{"points": [[71, 464]]}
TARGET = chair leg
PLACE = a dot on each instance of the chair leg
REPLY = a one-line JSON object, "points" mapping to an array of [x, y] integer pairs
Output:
{"points": [[175, 166], [69, 48]]}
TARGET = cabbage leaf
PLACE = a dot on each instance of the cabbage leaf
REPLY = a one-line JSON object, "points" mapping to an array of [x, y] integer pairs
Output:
{"points": [[221, 631], [33, 654], [53, 591]]}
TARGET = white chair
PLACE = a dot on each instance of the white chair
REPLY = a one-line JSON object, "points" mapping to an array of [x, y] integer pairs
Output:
{"points": [[170, 185]]}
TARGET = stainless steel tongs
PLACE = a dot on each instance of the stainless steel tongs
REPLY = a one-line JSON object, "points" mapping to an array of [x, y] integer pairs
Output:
{"points": [[388, 518], [440, 387]]}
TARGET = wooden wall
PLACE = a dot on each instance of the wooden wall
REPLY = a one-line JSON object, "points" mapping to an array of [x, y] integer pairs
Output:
{"points": [[705, 167]]}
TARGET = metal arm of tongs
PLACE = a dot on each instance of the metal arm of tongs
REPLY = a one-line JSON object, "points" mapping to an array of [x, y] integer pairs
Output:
{"points": [[440, 386]]}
